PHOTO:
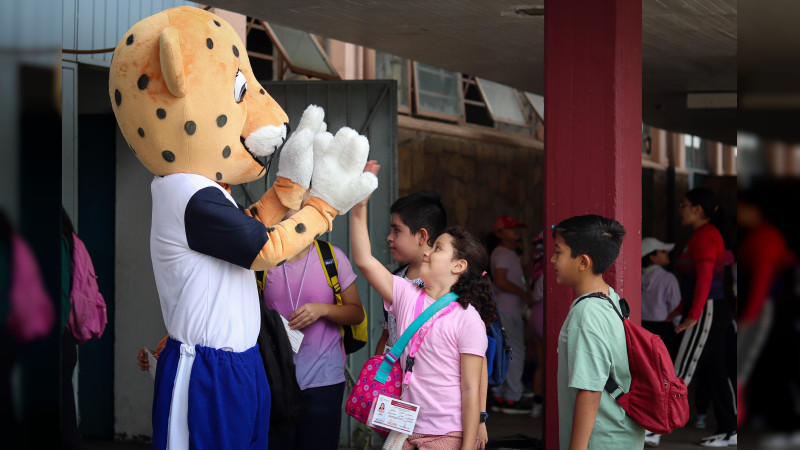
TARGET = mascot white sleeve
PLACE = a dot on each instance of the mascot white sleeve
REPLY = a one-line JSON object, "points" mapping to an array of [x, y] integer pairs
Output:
{"points": [[192, 111]]}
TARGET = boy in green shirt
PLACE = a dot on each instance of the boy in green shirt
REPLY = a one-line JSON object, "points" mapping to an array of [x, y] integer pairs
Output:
{"points": [[591, 344]]}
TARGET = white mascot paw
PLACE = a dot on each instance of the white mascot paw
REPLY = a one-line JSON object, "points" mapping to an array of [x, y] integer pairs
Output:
{"points": [[339, 177], [297, 157]]}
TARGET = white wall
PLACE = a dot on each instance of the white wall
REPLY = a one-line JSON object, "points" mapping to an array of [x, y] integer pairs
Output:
{"points": [[138, 312]]}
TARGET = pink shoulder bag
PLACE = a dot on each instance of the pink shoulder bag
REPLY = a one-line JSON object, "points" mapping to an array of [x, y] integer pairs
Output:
{"points": [[382, 375]]}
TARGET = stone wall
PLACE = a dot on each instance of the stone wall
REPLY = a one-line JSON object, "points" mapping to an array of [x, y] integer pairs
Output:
{"points": [[478, 180], [481, 179]]}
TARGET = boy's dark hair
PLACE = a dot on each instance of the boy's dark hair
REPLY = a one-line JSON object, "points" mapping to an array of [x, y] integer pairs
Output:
{"points": [[593, 235], [705, 199], [422, 209], [473, 287]]}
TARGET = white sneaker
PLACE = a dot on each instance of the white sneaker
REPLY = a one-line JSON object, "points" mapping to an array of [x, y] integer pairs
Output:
{"points": [[536, 410], [652, 439], [720, 440]]}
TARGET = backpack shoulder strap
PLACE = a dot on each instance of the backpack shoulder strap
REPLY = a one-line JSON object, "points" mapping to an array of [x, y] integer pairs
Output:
{"points": [[261, 279], [330, 267], [623, 304], [614, 389]]}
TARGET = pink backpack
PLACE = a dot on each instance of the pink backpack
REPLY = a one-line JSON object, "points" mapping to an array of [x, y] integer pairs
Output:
{"points": [[31, 315], [87, 319]]}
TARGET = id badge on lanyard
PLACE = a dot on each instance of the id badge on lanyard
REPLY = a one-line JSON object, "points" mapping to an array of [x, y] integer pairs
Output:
{"points": [[394, 414]]}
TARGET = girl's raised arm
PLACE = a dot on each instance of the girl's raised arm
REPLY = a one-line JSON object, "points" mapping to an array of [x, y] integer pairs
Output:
{"points": [[377, 276]]}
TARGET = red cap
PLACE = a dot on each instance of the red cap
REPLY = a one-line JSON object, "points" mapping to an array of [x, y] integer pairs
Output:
{"points": [[506, 222]]}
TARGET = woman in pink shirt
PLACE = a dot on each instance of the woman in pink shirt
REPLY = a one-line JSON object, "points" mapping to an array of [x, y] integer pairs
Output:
{"points": [[446, 381]]}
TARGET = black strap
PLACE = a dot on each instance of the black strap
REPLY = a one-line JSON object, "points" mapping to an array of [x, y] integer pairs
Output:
{"points": [[330, 264], [611, 386], [623, 304]]}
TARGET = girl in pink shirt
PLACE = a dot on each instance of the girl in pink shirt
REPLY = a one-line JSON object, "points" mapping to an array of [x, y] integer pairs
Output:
{"points": [[446, 380]]}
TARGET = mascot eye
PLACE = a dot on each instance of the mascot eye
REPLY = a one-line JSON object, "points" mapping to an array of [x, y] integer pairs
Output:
{"points": [[239, 87]]}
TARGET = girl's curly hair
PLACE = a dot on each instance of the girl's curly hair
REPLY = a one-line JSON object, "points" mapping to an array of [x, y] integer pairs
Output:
{"points": [[472, 287]]}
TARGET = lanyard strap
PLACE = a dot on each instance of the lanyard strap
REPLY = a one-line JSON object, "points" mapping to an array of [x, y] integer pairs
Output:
{"points": [[393, 355], [294, 304], [416, 341]]}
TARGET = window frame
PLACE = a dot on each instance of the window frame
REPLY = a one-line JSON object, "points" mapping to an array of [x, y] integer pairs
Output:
{"points": [[400, 108], [491, 111], [434, 114], [287, 61]]}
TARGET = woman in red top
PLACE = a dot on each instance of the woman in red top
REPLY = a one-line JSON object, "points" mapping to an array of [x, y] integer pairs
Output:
{"points": [[768, 350], [707, 315]]}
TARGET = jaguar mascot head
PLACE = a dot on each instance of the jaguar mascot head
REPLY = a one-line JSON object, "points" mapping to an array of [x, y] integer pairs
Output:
{"points": [[186, 99]]}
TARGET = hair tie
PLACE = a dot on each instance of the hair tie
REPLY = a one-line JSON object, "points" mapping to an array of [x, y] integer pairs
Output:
{"points": [[484, 273]]}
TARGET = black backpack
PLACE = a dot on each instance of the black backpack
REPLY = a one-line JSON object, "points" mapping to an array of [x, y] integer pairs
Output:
{"points": [[287, 406]]}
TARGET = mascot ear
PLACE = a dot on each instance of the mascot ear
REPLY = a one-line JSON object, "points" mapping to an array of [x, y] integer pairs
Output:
{"points": [[172, 61]]}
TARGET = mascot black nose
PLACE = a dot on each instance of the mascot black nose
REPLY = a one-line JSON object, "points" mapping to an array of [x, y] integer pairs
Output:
{"points": [[288, 128]]}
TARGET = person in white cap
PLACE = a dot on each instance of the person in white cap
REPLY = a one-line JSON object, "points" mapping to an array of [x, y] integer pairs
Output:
{"points": [[661, 294]]}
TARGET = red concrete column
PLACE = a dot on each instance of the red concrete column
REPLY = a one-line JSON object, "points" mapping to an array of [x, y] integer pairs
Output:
{"points": [[592, 150]]}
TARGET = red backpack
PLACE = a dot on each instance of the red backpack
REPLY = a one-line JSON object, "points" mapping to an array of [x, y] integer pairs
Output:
{"points": [[87, 319], [657, 399]]}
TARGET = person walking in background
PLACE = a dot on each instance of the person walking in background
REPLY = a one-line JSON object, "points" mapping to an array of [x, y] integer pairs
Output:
{"points": [[26, 315], [768, 362], [661, 293], [512, 296], [70, 436], [535, 331], [83, 318], [706, 313]]}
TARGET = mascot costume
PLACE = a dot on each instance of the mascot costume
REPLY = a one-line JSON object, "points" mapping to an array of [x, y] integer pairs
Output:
{"points": [[191, 110]]}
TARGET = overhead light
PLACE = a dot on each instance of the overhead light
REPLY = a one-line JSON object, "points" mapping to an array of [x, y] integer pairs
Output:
{"points": [[711, 100]]}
